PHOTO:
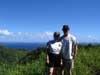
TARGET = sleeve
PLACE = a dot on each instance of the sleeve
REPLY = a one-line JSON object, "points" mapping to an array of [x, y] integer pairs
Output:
{"points": [[74, 40], [74, 43]]}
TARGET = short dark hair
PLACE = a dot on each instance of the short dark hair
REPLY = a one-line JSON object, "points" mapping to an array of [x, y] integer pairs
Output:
{"points": [[65, 27], [56, 34]]}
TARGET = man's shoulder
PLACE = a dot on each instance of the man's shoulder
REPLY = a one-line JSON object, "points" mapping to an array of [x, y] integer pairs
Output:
{"points": [[69, 35], [72, 36], [61, 37]]}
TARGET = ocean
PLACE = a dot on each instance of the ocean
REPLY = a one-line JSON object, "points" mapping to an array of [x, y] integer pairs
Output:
{"points": [[29, 46]]}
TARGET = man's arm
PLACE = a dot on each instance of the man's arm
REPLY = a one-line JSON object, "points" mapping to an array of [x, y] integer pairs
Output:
{"points": [[75, 51], [74, 46]]}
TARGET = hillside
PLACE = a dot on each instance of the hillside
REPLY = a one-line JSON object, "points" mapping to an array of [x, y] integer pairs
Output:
{"points": [[24, 62], [8, 55]]}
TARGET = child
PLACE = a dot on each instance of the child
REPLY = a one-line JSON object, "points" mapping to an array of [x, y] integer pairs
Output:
{"points": [[53, 53]]}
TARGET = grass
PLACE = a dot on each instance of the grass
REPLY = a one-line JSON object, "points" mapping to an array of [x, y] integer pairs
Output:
{"points": [[87, 62]]}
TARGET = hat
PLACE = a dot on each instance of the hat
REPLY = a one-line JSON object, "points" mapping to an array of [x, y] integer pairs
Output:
{"points": [[65, 27]]}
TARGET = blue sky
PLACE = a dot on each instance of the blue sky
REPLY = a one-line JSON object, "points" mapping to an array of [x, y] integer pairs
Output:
{"points": [[36, 20]]}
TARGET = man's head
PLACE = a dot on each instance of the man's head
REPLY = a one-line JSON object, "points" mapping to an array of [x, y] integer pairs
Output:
{"points": [[56, 36], [65, 29]]}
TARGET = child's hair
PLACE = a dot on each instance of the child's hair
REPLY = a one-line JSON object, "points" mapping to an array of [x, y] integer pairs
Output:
{"points": [[56, 34]]}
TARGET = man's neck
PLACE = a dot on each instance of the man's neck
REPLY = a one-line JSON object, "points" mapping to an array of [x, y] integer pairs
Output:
{"points": [[66, 35]]}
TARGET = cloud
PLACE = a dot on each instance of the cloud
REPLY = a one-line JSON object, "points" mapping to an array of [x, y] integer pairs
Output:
{"points": [[47, 35], [4, 32], [89, 38], [92, 38], [6, 35]]}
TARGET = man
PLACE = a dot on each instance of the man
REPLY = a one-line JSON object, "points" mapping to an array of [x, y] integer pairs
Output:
{"points": [[53, 53], [69, 50]]}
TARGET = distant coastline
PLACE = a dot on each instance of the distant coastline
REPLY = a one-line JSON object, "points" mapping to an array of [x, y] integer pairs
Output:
{"points": [[22, 45], [34, 45]]}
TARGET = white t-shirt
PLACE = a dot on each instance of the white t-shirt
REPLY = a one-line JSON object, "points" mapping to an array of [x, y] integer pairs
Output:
{"points": [[68, 42], [54, 47]]}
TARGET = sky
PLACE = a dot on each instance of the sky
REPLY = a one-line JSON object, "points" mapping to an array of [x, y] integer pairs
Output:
{"points": [[36, 20]]}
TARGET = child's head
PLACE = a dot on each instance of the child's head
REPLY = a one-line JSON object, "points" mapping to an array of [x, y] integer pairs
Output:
{"points": [[56, 36]]}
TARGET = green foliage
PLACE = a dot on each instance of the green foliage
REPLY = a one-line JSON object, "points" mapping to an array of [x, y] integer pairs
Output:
{"points": [[8, 55], [24, 62]]}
